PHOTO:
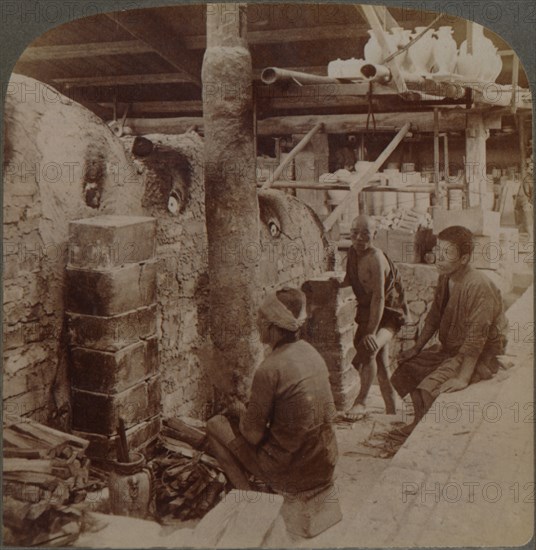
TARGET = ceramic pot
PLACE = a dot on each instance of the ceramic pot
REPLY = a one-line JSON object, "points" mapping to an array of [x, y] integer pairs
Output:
{"points": [[130, 486], [445, 50], [484, 64], [421, 52], [373, 51]]}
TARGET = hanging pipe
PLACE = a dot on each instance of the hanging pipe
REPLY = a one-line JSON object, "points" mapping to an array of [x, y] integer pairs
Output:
{"points": [[274, 74], [375, 73]]}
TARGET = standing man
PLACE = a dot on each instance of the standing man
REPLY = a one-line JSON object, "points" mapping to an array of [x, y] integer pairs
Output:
{"points": [[381, 312], [285, 435], [468, 315]]}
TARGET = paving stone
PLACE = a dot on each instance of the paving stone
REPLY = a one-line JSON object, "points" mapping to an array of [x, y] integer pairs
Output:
{"points": [[112, 292], [109, 241]]}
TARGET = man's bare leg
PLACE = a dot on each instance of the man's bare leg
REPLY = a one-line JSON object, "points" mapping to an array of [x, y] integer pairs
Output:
{"points": [[220, 434], [422, 401], [386, 389], [369, 367]]}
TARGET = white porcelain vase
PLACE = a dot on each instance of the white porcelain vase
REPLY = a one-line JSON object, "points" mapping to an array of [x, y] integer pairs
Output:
{"points": [[484, 63], [445, 50], [373, 51], [421, 52]]}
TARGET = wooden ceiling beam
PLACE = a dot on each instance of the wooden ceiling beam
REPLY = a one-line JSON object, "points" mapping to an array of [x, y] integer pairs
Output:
{"points": [[92, 49], [148, 107], [155, 78], [333, 124], [164, 41], [123, 80], [197, 42]]}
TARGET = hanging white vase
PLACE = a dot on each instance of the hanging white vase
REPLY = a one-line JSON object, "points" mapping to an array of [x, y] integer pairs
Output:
{"points": [[421, 51], [373, 51], [445, 50]]}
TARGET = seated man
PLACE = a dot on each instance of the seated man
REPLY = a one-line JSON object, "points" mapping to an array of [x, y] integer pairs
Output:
{"points": [[284, 436], [467, 312], [381, 312]]}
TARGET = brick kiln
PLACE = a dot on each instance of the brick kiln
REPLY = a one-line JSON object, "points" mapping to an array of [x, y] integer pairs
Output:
{"points": [[70, 183]]}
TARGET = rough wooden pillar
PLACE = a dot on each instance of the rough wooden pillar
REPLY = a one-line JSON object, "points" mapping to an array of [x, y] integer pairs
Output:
{"points": [[230, 193], [475, 158]]}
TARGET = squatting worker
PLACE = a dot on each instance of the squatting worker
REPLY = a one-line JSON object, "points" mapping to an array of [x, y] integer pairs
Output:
{"points": [[284, 436], [468, 315], [381, 312]]}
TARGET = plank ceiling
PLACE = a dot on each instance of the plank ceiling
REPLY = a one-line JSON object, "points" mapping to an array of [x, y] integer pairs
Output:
{"points": [[151, 59]]}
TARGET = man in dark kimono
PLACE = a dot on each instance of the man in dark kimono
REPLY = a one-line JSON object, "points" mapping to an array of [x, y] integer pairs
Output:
{"points": [[285, 435], [381, 312], [468, 315]]}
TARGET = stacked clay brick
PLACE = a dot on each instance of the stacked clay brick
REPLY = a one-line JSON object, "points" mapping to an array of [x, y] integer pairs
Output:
{"points": [[111, 309], [330, 329]]}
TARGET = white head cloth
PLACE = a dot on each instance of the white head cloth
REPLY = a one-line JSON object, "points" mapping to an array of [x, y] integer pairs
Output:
{"points": [[277, 313]]}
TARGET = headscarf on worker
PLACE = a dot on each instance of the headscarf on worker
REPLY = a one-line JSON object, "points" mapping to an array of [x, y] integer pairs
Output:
{"points": [[278, 313]]}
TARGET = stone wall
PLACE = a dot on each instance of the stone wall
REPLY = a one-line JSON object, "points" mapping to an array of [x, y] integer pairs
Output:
{"points": [[175, 165], [60, 163], [63, 164]]}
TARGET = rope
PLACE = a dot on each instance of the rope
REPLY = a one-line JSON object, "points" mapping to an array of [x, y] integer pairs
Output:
{"points": [[370, 113], [411, 42]]}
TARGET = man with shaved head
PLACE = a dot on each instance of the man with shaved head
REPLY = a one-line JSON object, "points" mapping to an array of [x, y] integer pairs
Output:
{"points": [[381, 312]]}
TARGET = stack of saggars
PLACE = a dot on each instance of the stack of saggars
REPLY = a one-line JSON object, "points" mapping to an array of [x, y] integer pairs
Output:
{"points": [[45, 476], [188, 482]]}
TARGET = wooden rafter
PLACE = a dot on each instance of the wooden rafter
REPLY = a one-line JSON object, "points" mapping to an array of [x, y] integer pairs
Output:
{"points": [[161, 39], [123, 80], [196, 42], [92, 49], [333, 124]]}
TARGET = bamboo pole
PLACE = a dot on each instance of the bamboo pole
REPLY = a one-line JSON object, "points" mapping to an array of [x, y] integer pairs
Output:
{"points": [[362, 180], [290, 157], [372, 18]]}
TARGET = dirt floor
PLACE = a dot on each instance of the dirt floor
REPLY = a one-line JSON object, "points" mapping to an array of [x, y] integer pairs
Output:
{"points": [[359, 467]]}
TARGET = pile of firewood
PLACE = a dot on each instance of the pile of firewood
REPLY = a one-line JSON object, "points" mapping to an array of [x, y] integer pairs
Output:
{"points": [[45, 475], [188, 482]]}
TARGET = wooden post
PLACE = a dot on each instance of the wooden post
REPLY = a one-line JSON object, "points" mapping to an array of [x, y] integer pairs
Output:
{"points": [[475, 158], [232, 213], [437, 177], [522, 146], [290, 157], [362, 180], [515, 80]]}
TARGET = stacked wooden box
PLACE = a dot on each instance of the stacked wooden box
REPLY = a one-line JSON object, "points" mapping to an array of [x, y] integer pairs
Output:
{"points": [[111, 310]]}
